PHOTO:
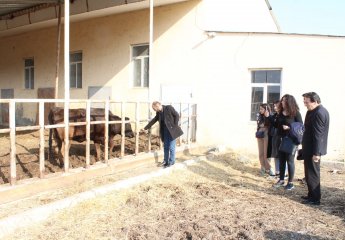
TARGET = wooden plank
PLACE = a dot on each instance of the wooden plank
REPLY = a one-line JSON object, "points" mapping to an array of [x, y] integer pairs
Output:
{"points": [[7, 130], [149, 132], [189, 124], [88, 130], [34, 186], [122, 129], [27, 128], [106, 131], [12, 118], [30, 187], [137, 130], [66, 140], [41, 122]]}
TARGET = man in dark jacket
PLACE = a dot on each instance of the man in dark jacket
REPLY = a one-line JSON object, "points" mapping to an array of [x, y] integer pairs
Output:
{"points": [[314, 145], [169, 129]]}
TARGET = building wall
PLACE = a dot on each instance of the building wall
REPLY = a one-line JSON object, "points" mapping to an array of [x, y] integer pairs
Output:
{"points": [[216, 67], [308, 63]]}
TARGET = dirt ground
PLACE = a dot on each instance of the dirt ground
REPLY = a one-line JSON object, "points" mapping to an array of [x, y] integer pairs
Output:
{"points": [[221, 196], [27, 148]]}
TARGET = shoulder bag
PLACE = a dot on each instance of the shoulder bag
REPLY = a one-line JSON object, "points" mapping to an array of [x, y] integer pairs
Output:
{"points": [[287, 145], [259, 134]]}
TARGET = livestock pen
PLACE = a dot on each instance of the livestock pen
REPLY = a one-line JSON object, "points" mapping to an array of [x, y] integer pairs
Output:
{"points": [[139, 110]]}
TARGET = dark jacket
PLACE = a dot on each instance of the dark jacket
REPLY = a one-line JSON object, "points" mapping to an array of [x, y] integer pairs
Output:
{"points": [[168, 118], [262, 121], [316, 132], [286, 120]]}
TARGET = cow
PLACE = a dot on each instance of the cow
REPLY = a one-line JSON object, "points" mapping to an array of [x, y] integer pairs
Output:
{"points": [[78, 133]]}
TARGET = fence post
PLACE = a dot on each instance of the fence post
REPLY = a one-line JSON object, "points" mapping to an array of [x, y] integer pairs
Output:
{"points": [[189, 124], [180, 122], [88, 129], [106, 131], [41, 123], [193, 123], [123, 119], [149, 130], [137, 128], [12, 115], [66, 138]]}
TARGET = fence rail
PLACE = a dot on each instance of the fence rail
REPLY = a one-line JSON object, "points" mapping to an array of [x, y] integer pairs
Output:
{"points": [[187, 116]]}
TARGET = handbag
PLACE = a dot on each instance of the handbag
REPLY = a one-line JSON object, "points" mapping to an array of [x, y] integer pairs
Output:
{"points": [[287, 145], [259, 134]]}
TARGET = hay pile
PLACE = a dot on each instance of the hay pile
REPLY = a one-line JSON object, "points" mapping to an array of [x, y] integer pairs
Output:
{"points": [[221, 198]]}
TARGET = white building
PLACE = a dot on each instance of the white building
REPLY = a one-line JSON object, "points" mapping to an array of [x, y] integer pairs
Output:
{"points": [[205, 51]]}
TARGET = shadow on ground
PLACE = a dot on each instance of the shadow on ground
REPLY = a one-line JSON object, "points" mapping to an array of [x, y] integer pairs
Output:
{"points": [[288, 235]]}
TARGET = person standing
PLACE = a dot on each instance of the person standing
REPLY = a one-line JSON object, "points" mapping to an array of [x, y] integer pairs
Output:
{"points": [[168, 119], [275, 138], [289, 113], [314, 144], [262, 127]]}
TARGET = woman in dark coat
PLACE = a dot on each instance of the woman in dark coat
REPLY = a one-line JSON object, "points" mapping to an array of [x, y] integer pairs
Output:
{"points": [[289, 113], [275, 139]]}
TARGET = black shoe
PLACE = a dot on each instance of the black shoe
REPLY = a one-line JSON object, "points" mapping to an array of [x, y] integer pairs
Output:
{"points": [[311, 202], [166, 165], [305, 197]]}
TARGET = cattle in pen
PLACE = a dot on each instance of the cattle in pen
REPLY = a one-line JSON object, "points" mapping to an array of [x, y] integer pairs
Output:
{"points": [[78, 133]]}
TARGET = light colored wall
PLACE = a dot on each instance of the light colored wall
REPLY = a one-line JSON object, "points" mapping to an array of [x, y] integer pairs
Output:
{"points": [[105, 43], [308, 63], [217, 69]]}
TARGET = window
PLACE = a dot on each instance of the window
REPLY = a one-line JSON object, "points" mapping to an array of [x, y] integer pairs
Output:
{"points": [[140, 61], [29, 69], [265, 89], [75, 74]]}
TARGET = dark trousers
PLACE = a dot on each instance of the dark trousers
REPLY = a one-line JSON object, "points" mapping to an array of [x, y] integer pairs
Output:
{"points": [[312, 177], [290, 160]]}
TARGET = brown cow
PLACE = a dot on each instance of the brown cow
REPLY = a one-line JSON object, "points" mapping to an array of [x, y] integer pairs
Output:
{"points": [[78, 133]]}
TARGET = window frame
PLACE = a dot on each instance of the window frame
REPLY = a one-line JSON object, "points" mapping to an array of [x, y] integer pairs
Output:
{"points": [[75, 64], [142, 67], [31, 74], [265, 87]]}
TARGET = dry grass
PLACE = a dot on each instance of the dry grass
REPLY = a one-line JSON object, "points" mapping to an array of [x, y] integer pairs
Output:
{"points": [[220, 198]]}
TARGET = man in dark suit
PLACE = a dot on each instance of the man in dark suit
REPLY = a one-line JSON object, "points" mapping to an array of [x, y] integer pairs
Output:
{"points": [[169, 129], [314, 145]]}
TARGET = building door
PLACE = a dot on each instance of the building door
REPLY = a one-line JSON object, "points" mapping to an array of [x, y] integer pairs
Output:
{"points": [[6, 94]]}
